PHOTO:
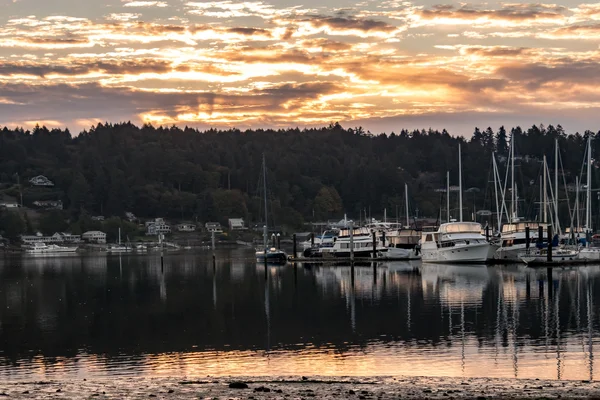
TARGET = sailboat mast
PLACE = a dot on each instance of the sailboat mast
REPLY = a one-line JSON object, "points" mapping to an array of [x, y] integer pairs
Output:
{"points": [[512, 178], [448, 196], [577, 203], [545, 193], [460, 204], [406, 201], [498, 213], [556, 185], [265, 230], [588, 206], [119, 235]]}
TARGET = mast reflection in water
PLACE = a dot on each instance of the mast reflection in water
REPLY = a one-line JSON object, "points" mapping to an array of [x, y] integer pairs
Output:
{"points": [[85, 316]]}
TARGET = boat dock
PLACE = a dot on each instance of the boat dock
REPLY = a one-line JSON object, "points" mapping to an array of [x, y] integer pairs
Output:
{"points": [[327, 260]]}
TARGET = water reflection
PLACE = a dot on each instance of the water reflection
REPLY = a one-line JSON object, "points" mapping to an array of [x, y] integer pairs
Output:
{"points": [[119, 315]]}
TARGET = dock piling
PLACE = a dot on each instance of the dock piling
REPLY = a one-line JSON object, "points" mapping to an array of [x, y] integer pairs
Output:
{"points": [[527, 234], [549, 255], [374, 245], [294, 249]]}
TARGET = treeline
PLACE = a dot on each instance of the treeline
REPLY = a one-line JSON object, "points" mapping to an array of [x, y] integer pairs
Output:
{"points": [[313, 174]]}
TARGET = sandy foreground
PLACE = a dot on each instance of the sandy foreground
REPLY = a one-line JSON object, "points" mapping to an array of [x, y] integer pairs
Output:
{"points": [[299, 388]]}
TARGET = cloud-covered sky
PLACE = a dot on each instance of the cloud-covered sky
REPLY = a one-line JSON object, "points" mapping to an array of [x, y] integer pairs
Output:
{"points": [[381, 64]]}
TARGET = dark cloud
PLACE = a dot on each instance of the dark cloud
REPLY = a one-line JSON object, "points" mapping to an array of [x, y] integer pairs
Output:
{"points": [[514, 12], [326, 44], [496, 51], [591, 28], [349, 23], [116, 67], [535, 75], [56, 40], [89, 101], [249, 31]]}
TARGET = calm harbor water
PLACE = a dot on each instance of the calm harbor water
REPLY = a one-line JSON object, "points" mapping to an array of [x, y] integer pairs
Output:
{"points": [[101, 316]]}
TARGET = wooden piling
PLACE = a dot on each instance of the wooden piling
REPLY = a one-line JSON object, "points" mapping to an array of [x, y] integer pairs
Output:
{"points": [[549, 254], [294, 248], [374, 245]]}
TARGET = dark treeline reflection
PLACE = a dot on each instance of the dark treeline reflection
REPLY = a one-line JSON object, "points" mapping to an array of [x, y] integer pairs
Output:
{"points": [[129, 307]]}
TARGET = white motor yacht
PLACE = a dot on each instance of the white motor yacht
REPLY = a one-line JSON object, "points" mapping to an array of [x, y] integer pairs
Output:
{"points": [[456, 242], [513, 241], [403, 243], [362, 244], [43, 248]]}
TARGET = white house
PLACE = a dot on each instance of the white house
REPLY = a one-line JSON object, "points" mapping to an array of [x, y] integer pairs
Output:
{"points": [[213, 227], [58, 237], [94, 237], [156, 227], [186, 227], [49, 204], [236, 224], [41, 180], [10, 205]]}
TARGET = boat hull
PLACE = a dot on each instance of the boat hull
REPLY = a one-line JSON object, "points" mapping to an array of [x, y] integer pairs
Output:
{"points": [[271, 257], [590, 254], [473, 253], [509, 254], [408, 253], [561, 258]]}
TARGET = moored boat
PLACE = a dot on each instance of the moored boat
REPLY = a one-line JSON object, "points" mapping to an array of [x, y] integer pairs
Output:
{"points": [[43, 248], [513, 240], [559, 257], [456, 242]]}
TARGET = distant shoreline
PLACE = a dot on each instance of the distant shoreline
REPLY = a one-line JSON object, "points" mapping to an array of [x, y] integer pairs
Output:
{"points": [[299, 388]]}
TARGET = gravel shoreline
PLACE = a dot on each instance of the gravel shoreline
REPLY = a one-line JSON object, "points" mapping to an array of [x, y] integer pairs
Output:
{"points": [[257, 388]]}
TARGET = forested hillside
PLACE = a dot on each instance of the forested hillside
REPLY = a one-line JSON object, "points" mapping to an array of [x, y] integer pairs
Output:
{"points": [[313, 174]]}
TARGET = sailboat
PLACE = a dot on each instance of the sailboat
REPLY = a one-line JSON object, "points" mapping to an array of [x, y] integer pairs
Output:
{"points": [[267, 254], [589, 253], [456, 242], [118, 247], [513, 234], [403, 243]]}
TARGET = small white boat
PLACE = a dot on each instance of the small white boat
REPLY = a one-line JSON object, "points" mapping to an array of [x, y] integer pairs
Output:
{"points": [[271, 256], [118, 247], [590, 253], [559, 257], [141, 247], [42, 248], [403, 243]]}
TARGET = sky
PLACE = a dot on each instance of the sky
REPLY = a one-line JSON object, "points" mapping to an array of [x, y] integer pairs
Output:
{"points": [[384, 65]]}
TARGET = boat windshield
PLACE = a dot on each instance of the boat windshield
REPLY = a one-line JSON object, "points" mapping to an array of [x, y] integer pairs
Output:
{"points": [[461, 227]]}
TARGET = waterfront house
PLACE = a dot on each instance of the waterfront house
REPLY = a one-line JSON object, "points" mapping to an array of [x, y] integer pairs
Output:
{"points": [[186, 227], [10, 205], [49, 204], [156, 227], [41, 180], [98, 218], [58, 237], [94, 237], [236, 224], [213, 227]]}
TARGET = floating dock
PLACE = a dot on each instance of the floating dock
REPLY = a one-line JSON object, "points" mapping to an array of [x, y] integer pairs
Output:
{"points": [[326, 260]]}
